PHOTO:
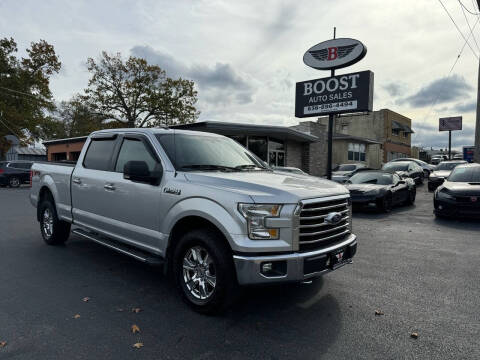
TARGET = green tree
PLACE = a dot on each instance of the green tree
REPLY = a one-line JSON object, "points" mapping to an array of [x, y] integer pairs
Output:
{"points": [[137, 94], [25, 96], [76, 118]]}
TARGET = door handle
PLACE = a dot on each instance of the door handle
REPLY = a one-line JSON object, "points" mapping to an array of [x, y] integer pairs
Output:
{"points": [[77, 180], [109, 187]]}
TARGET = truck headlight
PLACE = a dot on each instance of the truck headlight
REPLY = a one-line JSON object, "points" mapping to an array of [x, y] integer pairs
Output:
{"points": [[255, 214]]}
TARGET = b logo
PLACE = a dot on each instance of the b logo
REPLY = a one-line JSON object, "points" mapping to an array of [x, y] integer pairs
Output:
{"points": [[332, 53]]}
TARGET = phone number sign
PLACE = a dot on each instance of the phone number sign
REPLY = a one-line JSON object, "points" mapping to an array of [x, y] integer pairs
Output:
{"points": [[335, 95]]}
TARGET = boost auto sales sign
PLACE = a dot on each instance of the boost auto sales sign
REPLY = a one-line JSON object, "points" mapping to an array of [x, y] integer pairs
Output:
{"points": [[345, 93]]}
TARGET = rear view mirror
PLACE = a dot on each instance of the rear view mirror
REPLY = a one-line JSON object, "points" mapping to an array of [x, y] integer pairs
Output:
{"points": [[138, 171]]}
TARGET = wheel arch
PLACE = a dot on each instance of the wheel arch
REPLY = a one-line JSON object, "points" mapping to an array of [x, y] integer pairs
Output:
{"points": [[43, 194], [187, 224]]}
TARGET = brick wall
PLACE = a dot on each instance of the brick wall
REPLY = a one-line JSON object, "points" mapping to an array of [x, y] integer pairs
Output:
{"points": [[314, 157], [67, 148]]}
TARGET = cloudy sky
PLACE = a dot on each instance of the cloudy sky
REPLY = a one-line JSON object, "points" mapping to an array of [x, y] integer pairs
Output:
{"points": [[245, 56]]}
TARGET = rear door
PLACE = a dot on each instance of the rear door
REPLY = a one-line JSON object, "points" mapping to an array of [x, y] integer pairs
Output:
{"points": [[90, 207]]}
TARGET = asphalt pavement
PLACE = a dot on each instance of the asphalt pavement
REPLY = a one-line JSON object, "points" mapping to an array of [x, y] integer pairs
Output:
{"points": [[422, 274]]}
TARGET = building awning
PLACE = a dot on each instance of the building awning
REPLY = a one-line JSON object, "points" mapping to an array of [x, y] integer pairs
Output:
{"points": [[355, 138], [29, 151], [230, 129], [398, 126]]}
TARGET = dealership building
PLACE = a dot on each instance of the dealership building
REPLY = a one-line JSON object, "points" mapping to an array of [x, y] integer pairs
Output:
{"points": [[368, 138]]}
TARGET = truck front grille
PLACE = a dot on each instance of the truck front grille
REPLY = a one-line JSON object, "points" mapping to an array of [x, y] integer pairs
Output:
{"points": [[315, 232]]}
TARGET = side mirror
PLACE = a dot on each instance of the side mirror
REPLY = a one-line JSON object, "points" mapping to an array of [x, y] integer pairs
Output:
{"points": [[138, 171], [401, 182]]}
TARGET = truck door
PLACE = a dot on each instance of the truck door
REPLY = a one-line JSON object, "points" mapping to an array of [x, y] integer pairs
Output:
{"points": [[135, 207], [90, 207]]}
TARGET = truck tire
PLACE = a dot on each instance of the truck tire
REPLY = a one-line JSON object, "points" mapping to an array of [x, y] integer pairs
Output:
{"points": [[204, 272], [54, 231], [14, 182]]}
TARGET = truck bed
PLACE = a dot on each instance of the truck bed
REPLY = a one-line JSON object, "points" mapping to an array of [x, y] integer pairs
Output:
{"points": [[58, 175]]}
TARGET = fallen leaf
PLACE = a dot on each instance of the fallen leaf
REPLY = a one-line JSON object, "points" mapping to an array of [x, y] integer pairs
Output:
{"points": [[76, 316], [136, 310], [138, 345], [86, 299], [135, 329], [414, 335], [379, 312], [3, 344]]}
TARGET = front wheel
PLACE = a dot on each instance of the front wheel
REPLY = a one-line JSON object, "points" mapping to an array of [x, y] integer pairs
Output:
{"points": [[385, 203], [204, 271], [412, 194], [54, 231]]}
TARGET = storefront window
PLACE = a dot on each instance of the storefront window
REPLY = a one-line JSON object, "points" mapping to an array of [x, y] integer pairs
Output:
{"points": [[259, 146], [241, 139], [356, 152]]}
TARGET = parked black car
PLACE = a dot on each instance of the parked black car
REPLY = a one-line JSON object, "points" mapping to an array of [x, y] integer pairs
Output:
{"points": [[427, 168], [381, 189], [406, 169], [342, 172], [459, 195], [442, 171], [14, 173]]}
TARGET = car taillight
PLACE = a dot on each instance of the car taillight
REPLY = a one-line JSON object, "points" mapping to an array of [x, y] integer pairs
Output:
{"points": [[1, 171], [31, 175]]}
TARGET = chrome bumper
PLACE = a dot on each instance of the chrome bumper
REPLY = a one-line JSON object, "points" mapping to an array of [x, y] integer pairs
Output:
{"points": [[249, 267]]}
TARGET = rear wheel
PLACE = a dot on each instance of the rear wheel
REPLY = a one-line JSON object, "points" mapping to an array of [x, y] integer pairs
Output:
{"points": [[54, 231], [14, 182], [204, 271]]}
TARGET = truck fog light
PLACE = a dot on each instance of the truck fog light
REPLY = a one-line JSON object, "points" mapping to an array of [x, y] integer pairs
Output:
{"points": [[274, 268]]}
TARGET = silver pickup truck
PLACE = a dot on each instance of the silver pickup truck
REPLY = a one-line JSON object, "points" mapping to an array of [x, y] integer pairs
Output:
{"points": [[200, 205]]}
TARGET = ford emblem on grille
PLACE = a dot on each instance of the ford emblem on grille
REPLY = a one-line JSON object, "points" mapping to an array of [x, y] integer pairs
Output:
{"points": [[333, 218]]}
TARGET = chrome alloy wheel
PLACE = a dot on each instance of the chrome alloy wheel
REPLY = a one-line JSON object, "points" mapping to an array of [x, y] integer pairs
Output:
{"points": [[199, 273], [14, 182], [47, 224]]}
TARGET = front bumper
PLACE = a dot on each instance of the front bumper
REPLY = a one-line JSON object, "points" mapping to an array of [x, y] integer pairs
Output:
{"points": [[298, 266], [453, 208], [363, 200]]}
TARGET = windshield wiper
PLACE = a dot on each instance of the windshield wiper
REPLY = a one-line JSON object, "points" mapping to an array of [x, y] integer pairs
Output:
{"points": [[208, 167], [248, 167]]}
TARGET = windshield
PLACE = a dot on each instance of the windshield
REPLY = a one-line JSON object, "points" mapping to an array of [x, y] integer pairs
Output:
{"points": [[190, 152], [446, 166], [378, 178], [465, 174], [345, 168], [395, 166]]}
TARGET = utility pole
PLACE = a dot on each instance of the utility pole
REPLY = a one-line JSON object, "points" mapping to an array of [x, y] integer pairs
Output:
{"points": [[331, 119], [476, 155]]}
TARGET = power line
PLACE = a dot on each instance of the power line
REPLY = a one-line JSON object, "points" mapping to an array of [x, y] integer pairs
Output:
{"points": [[468, 23], [13, 132], [464, 7], [449, 73], [454, 23], [22, 93]]}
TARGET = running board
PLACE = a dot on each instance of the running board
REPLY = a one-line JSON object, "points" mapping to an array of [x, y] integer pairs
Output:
{"points": [[121, 248]]}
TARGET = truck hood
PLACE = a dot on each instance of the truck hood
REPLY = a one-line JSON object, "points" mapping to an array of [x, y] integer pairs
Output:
{"points": [[268, 187]]}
